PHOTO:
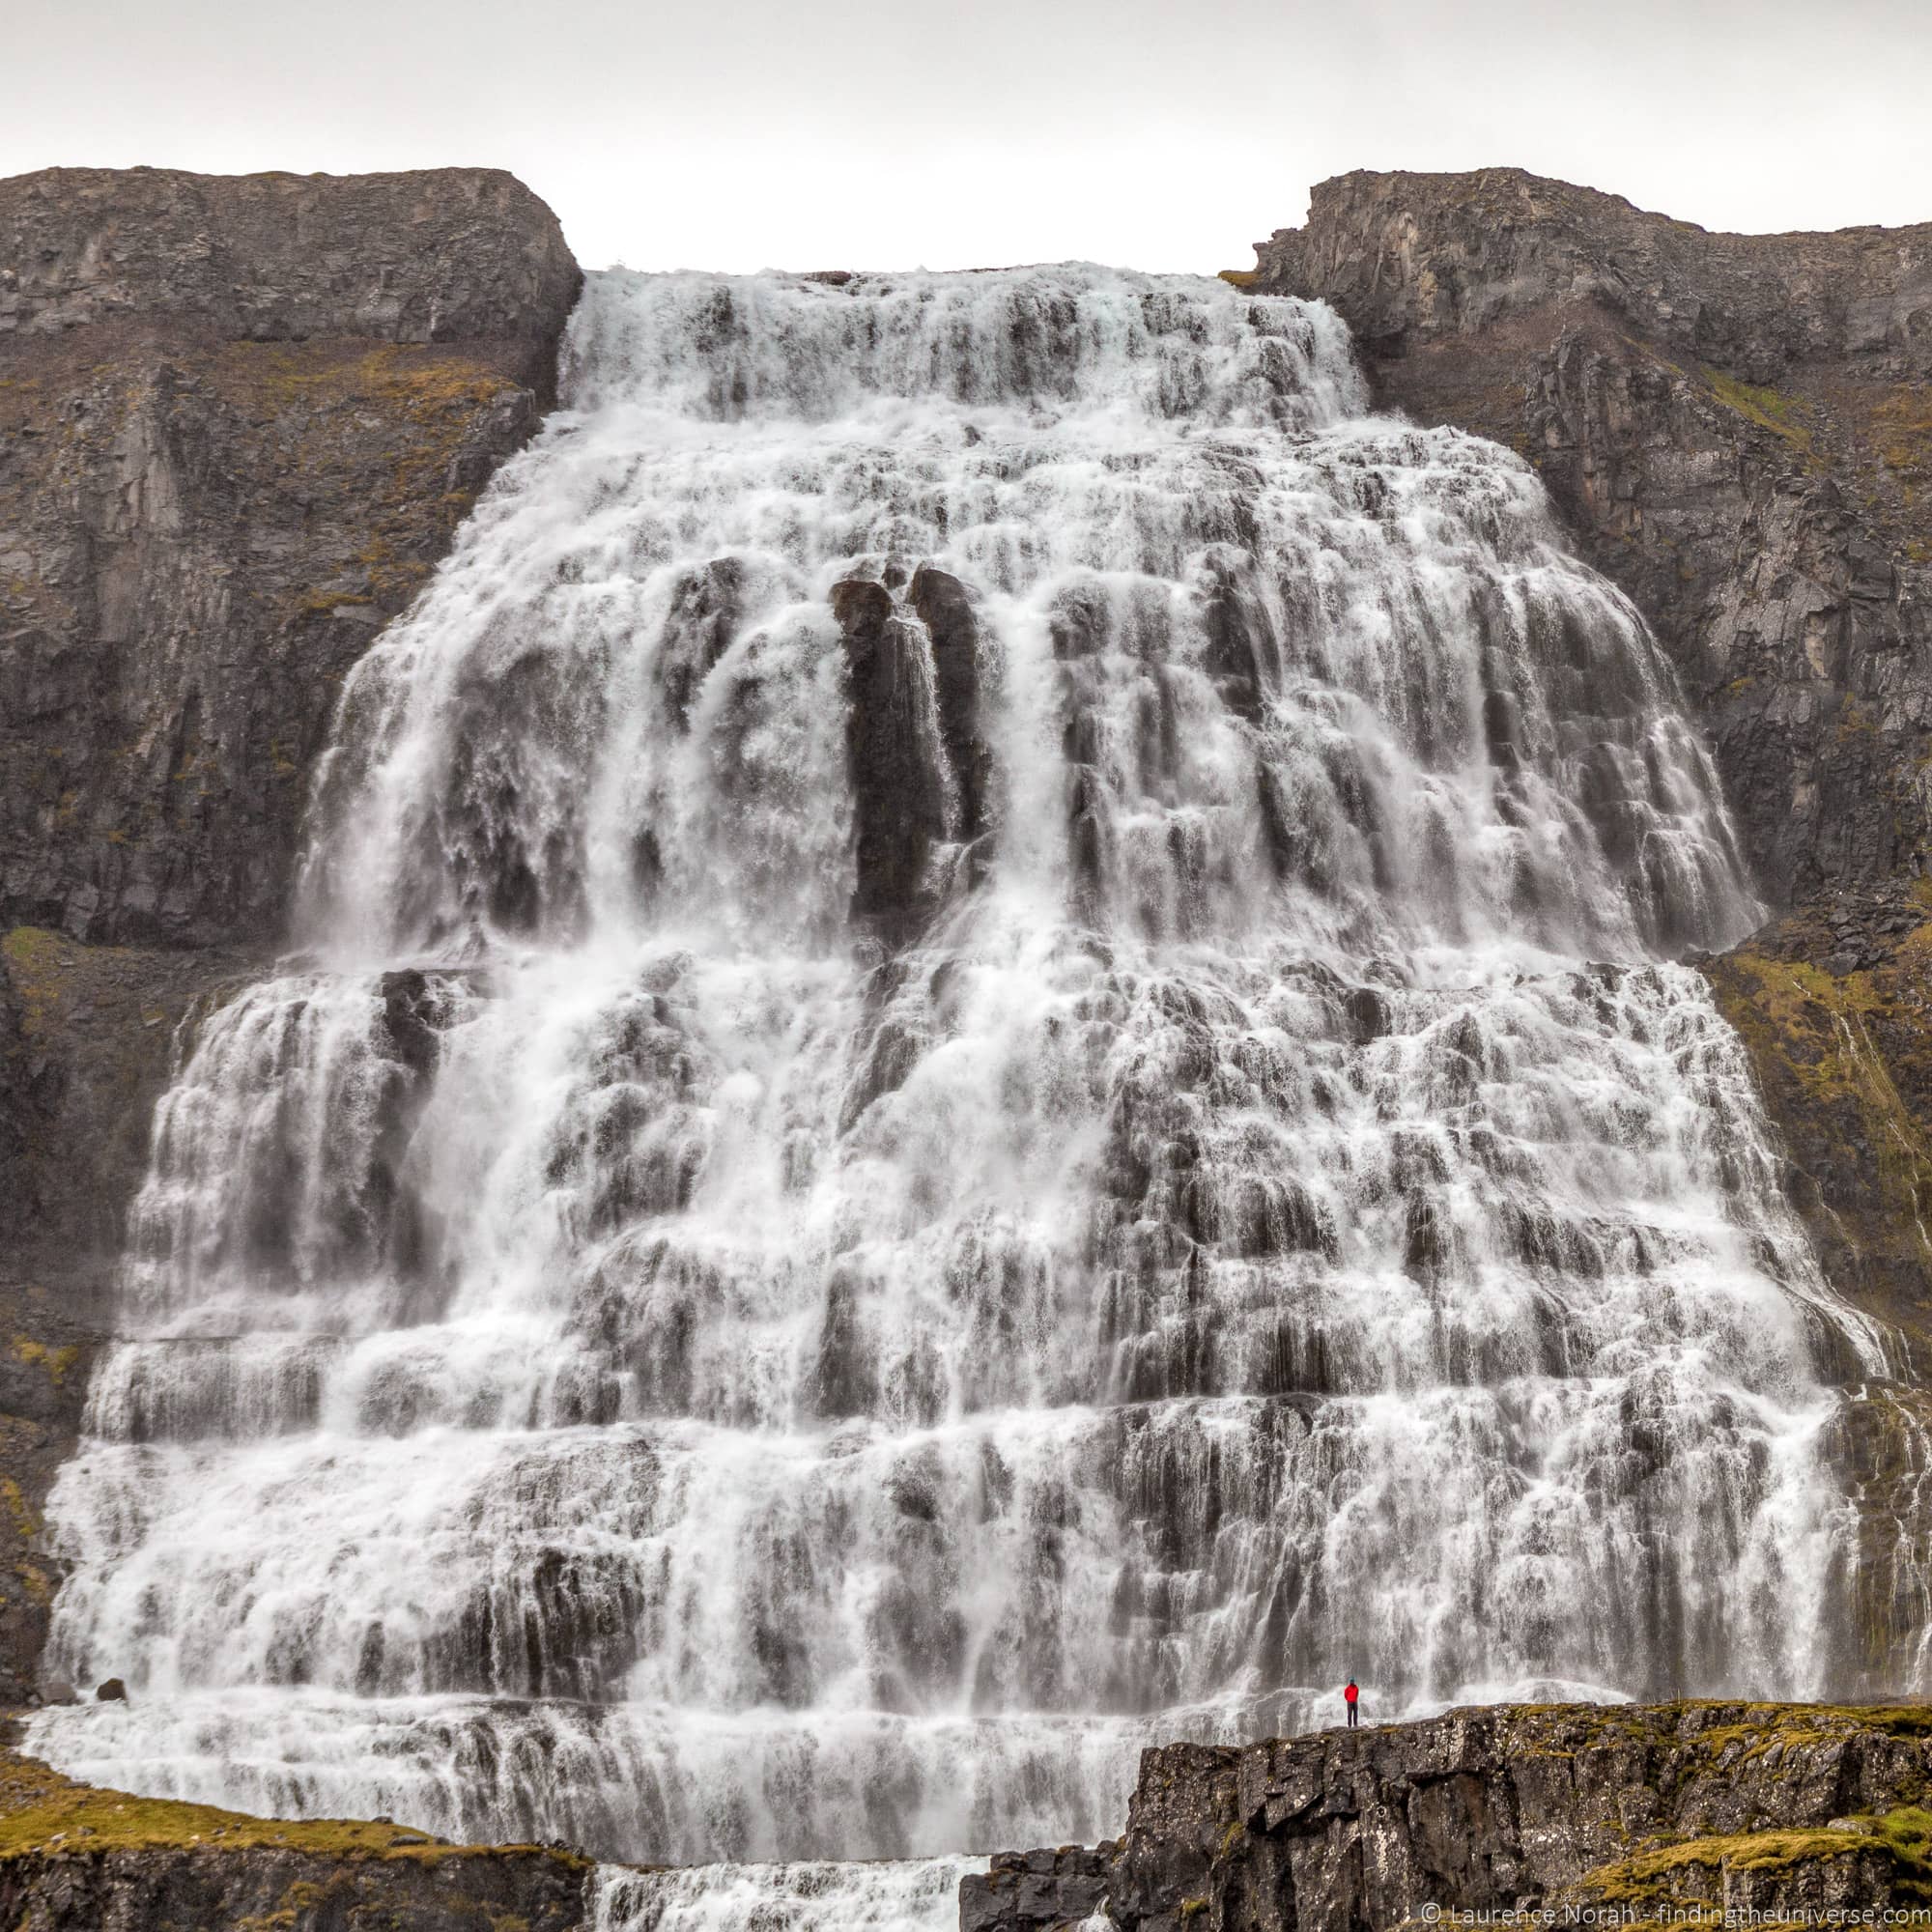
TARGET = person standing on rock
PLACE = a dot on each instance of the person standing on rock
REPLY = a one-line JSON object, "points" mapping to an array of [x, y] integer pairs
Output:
{"points": [[1350, 1694]]}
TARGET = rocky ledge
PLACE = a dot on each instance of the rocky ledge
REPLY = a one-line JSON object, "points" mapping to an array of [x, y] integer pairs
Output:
{"points": [[1595, 1813], [76, 1859]]}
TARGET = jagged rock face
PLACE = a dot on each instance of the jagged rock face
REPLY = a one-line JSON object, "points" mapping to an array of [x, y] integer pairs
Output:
{"points": [[917, 762], [1736, 426], [293, 1892], [1647, 1809], [239, 420]]}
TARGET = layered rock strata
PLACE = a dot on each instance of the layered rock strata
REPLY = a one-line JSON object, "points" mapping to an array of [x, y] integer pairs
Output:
{"points": [[76, 1859]]}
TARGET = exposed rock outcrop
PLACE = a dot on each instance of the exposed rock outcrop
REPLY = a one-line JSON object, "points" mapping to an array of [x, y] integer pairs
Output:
{"points": [[1651, 1811], [239, 420], [920, 767], [74, 1859], [1737, 429], [898, 797], [1834, 1004]]}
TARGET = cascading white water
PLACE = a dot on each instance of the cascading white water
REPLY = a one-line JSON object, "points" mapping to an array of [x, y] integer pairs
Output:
{"points": [[853, 1211]]}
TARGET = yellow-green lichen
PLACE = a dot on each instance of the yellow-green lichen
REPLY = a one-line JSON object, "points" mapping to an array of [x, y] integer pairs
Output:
{"points": [[1903, 422], [1902, 1835], [40, 1811], [37, 1355], [36, 962], [1816, 1027], [1768, 408]]}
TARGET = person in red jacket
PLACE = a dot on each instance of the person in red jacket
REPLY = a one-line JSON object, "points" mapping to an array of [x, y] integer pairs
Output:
{"points": [[1351, 1692]]}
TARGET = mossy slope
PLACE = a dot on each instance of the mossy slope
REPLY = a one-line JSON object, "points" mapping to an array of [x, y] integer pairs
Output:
{"points": [[76, 1859]]}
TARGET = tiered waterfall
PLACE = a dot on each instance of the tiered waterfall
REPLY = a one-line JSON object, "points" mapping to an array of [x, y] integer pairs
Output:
{"points": [[985, 1064]]}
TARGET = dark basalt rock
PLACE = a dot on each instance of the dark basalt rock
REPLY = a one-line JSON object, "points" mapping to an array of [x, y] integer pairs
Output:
{"points": [[705, 609], [898, 791], [1037, 1889], [945, 607], [80, 1859], [239, 420], [1242, 654], [1497, 1810]]}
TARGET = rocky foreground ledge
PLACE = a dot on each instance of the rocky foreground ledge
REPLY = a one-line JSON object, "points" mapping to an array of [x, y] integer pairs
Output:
{"points": [[1584, 1815], [1589, 1814], [76, 1859]]}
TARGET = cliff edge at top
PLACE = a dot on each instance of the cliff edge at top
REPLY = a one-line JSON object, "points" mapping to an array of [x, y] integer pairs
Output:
{"points": [[436, 255], [1412, 258]]}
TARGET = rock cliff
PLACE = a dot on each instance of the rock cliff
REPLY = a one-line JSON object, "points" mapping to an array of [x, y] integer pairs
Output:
{"points": [[1737, 429], [239, 421], [1632, 1813]]}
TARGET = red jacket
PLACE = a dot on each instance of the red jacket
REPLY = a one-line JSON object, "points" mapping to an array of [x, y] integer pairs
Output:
{"points": [[1352, 1693]]}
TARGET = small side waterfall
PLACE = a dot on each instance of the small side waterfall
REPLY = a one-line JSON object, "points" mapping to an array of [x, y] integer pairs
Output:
{"points": [[986, 1068]]}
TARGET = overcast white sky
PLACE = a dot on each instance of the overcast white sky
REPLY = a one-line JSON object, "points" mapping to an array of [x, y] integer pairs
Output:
{"points": [[744, 133]]}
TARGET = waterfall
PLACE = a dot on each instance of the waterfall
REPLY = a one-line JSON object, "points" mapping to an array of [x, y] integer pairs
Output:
{"points": [[987, 1064]]}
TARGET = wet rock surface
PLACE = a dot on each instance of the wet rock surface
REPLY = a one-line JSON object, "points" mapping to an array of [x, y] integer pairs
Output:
{"points": [[920, 767], [1652, 1811], [1736, 429]]}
